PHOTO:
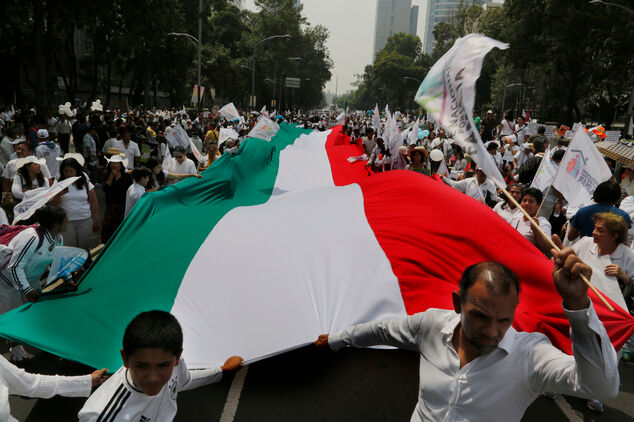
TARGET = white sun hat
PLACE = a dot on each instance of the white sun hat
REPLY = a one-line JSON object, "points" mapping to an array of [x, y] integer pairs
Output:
{"points": [[76, 156], [28, 160], [118, 159]]}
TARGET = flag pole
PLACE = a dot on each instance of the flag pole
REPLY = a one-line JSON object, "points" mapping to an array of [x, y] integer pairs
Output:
{"points": [[544, 199], [555, 247]]}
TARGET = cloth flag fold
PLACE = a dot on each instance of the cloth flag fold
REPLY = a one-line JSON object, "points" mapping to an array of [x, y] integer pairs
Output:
{"points": [[284, 241]]}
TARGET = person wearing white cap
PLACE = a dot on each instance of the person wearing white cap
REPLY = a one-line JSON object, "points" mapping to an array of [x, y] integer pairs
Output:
{"points": [[478, 187], [29, 176], [117, 182], [49, 151]]}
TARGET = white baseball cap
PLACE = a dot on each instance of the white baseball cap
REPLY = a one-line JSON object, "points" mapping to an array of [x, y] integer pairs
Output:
{"points": [[42, 134]]}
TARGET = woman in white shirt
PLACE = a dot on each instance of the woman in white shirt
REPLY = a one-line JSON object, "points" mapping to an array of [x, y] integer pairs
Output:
{"points": [[506, 128], [79, 201], [29, 176], [531, 199]]}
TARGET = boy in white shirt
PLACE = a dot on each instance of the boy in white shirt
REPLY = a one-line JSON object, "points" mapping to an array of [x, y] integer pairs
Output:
{"points": [[141, 176], [153, 373]]}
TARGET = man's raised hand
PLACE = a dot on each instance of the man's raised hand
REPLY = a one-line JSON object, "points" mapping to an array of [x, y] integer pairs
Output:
{"points": [[322, 340], [567, 276]]}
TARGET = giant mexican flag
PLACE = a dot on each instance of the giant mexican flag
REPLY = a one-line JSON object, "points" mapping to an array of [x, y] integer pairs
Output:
{"points": [[284, 241]]}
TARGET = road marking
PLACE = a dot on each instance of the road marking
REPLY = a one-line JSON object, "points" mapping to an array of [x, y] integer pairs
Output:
{"points": [[572, 414], [231, 405]]}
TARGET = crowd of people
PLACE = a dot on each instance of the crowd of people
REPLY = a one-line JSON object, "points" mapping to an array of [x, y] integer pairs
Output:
{"points": [[129, 153]]}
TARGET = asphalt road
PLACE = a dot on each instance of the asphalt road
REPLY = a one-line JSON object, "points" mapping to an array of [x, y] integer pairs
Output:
{"points": [[313, 384]]}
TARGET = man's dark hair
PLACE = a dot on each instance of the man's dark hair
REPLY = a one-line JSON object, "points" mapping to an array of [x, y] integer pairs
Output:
{"points": [[140, 172], [558, 155], [607, 193], [496, 276], [179, 148], [155, 330], [539, 145], [541, 130], [49, 216], [26, 144], [535, 193], [492, 146]]}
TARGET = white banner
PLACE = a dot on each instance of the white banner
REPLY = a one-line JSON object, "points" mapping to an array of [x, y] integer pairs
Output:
{"points": [[264, 129], [196, 152], [581, 170], [226, 133], [178, 136], [25, 209], [448, 95], [545, 173], [230, 112]]}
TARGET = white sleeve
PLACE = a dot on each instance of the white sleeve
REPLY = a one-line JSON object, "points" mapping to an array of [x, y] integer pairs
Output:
{"points": [[200, 377], [398, 332], [592, 371], [137, 152], [627, 205], [544, 224], [16, 187], [23, 248], [45, 171], [23, 383]]}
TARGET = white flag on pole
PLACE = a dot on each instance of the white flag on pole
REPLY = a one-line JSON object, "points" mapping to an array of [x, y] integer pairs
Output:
{"points": [[167, 159], [196, 152], [178, 136], [448, 95], [545, 173], [341, 119], [264, 129], [227, 133], [230, 112], [581, 170]]}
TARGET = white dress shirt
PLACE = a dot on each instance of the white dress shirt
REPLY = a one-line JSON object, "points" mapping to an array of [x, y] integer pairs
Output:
{"points": [[524, 226], [504, 211], [14, 380], [470, 187], [500, 385]]}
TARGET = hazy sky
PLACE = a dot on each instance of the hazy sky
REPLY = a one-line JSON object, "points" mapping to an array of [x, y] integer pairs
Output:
{"points": [[351, 26]]}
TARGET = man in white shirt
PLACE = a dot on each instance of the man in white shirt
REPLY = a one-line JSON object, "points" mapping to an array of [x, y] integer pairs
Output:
{"points": [[129, 148], [477, 187], [474, 366], [49, 150], [180, 163]]}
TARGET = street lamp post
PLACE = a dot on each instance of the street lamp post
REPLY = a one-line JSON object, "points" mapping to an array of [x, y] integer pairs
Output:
{"points": [[255, 46], [504, 96], [196, 42]]}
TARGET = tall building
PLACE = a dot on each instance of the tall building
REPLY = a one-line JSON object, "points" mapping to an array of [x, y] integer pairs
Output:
{"points": [[440, 11], [392, 17]]}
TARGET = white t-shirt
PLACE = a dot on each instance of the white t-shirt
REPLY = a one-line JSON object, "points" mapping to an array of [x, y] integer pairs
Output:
{"points": [[50, 154], [110, 143], [504, 211], [187, 167], [76, 203], [507, 129], [130, 152], [132, 196], [17, 189], [121, 401], [524, 227]]}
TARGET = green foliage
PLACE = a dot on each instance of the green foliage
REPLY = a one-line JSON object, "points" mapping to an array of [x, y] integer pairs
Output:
{"points": [[387, 80], [125, 44]]}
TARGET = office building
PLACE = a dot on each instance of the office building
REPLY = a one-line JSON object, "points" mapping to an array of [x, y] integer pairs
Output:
{"points": [[392, 17], [437, 11]]}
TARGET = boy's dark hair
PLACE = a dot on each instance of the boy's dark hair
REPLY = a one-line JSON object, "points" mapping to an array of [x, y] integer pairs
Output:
{"points": [[155, 330], [558, 155], [140, 172], [180, 149], [535, 193]]}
